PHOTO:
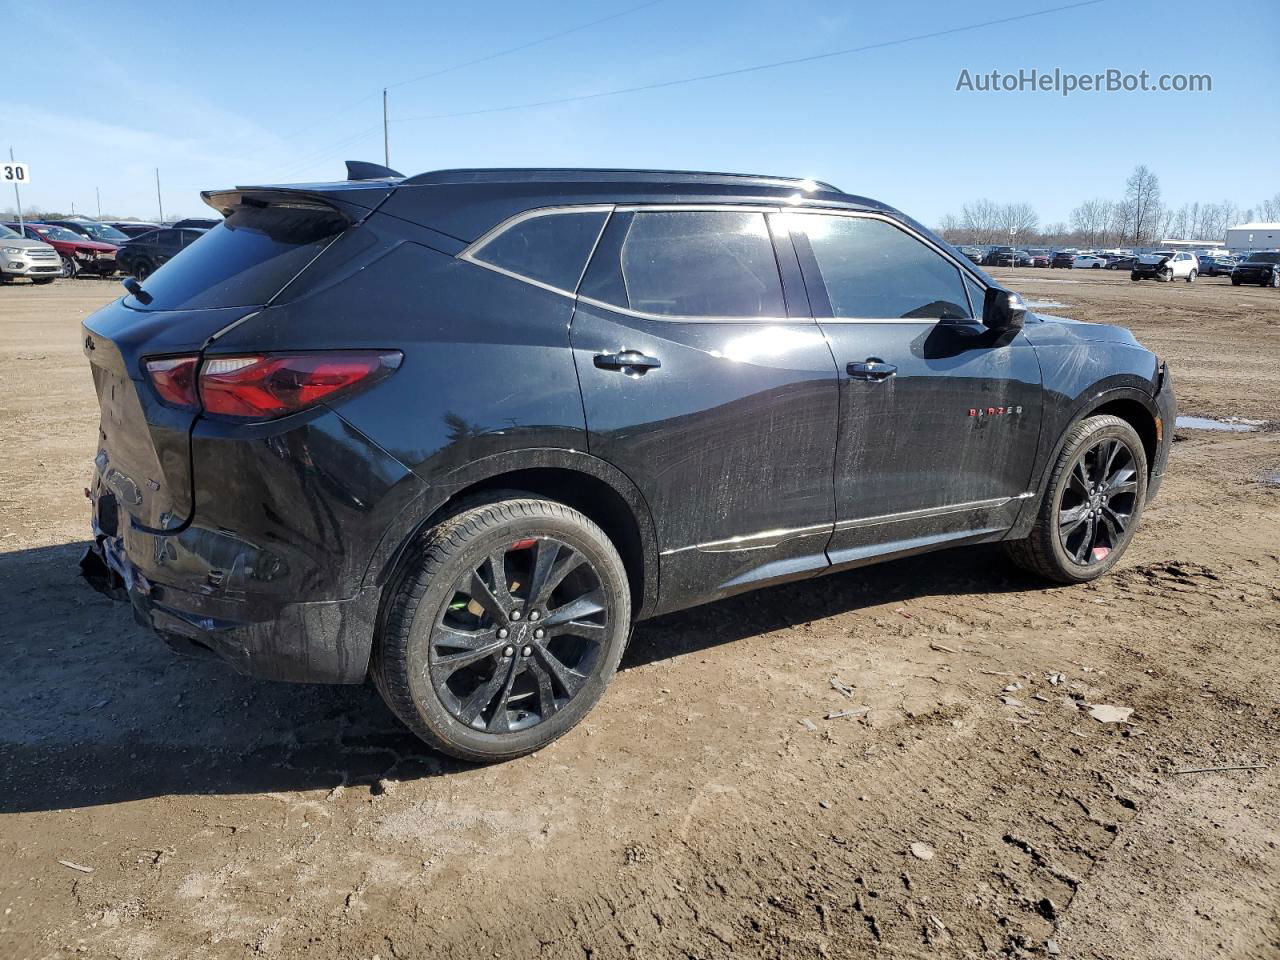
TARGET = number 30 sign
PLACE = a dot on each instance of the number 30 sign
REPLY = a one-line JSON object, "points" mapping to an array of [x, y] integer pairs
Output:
{"points": [[15, 173]]}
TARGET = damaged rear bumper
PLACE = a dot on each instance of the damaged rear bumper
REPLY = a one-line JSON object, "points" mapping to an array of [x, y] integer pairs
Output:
{"points": [[317, 642]]}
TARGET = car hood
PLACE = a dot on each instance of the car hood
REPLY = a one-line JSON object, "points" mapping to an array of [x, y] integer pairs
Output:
{"points": [[1151, 259], [1053, 329], [24, 243]]}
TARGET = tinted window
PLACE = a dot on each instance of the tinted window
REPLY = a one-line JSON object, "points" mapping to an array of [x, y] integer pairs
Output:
{"points": [[874, 270], [691, 264], [552, 248], [244, 261]]}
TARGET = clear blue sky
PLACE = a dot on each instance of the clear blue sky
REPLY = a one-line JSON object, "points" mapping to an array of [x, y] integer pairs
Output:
{"points": [[268, 91]]}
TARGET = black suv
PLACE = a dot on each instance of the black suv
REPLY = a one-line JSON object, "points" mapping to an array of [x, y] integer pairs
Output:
{"points": [[1260, 268], [141, 256], [457, 432]]}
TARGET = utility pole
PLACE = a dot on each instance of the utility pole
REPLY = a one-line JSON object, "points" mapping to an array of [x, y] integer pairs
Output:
{"points": [[159, 201], [386, 134], [17, 198], [97, 195]]}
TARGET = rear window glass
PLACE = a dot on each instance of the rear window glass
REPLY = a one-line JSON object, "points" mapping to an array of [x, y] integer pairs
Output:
{"points": [[244, 261], [551, 248]]}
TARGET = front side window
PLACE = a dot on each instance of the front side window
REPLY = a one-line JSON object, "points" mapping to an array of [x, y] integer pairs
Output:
{"points": [[551, 248], [689, 263], [873, 270]]}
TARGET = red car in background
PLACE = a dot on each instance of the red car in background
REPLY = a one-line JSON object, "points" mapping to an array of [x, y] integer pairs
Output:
{"points": [[78, 254]]}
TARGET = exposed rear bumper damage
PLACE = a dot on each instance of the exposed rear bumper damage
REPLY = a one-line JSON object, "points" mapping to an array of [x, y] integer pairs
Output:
{"points": [[318, 642]]}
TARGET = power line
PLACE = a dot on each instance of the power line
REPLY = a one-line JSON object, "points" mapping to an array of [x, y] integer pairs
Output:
{"points": [[526, 46], [751, 69], [471, 63]]}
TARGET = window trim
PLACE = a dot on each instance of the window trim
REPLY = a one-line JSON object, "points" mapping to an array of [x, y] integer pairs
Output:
{"points": [[964, 271], [470, 252]]}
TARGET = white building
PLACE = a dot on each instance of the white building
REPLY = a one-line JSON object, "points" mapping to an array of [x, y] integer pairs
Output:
{"points": [[1253, 236]]}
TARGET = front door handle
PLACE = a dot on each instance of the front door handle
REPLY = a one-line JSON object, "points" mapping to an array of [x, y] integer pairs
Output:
{"points": [[873, 368], [628, 361]]}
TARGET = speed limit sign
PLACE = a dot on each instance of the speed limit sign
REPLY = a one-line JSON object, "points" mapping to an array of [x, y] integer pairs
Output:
{"points": [[15, 173]]}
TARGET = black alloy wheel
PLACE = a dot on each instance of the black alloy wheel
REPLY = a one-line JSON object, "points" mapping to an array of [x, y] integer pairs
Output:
{"points": [[1091, 505], [503, 626], [1097, 503], [520, 636]]}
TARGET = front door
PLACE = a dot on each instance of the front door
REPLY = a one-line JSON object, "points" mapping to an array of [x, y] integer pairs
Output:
{"points": [[714, 391], [939, 416]]}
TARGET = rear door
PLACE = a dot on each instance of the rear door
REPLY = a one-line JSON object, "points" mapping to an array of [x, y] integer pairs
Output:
{"points": [[713, 389], [939, 416]]}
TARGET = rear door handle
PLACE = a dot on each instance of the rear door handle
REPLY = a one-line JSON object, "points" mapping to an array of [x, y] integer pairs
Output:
{"points": [[627, 361], [873, 368]]}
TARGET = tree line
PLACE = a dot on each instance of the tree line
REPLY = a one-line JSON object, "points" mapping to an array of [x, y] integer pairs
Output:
{"points": [[1139, 218]]}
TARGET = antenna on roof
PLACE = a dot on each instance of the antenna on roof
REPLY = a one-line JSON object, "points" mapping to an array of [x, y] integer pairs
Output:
{"points": [[362, 170]]}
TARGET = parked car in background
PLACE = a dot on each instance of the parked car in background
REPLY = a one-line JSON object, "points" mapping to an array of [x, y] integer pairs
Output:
{"points": [[998, 257], [1165, 265], [971, 253], [197, 223], [91, 230], [1215, 266], [142, 256], [1062, 259], [22, 257], [1262, 268], [78, 254], [1040, 258], [1088, 261], [134, 228], [308, 468], [1120, 262]]}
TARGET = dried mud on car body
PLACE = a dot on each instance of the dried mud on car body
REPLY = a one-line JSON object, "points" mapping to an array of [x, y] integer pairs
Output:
{"points": [[707, 807]]}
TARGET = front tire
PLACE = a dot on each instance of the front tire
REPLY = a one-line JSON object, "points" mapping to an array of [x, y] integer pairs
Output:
{"points": [[42, 281], [504, 627], [1091, 506]]}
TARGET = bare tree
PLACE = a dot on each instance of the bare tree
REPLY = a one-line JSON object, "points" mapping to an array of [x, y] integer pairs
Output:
{"points": [[1142, 197], [1018, 220], [1091, 220], [1270, 208], [981, 219]]}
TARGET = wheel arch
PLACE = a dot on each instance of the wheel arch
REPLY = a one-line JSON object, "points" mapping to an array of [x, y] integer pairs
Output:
{"points": [[586, 483]]}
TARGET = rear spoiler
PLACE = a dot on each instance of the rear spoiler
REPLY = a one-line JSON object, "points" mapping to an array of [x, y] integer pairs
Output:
{"points": [[352, 200]]}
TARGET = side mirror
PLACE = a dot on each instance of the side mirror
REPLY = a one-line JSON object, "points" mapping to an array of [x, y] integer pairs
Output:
{"points": [[1003, 310]]}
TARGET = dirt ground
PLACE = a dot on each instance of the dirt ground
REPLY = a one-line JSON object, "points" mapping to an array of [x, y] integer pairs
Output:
{"points": [[152, 807]]}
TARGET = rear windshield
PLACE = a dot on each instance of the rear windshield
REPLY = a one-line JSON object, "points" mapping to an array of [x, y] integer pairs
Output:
{"points": [[244, 261]]}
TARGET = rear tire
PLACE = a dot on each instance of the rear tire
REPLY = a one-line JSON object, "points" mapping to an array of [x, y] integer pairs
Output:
{"points": [[1092, 504], [1191, 277], [142, 270], [504, 626], [69, 268]]}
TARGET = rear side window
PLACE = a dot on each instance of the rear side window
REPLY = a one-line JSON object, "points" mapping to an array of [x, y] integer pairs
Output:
{"points": [[244, 261], [689, 263], [873, 270], [551, 248]]}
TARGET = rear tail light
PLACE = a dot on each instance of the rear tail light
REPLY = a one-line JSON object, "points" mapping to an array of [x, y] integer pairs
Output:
{"points": [[266, 386], [175, 380]]}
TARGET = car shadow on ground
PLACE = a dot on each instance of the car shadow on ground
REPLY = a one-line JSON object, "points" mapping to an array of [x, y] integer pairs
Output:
{"points": [[98, 711]]}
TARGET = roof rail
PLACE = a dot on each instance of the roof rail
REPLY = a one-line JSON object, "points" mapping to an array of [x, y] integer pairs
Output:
{"points": [[534, 174]]}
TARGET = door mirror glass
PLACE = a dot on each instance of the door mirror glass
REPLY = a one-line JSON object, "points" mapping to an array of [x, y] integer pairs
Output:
{"points": [[1003, 310]]}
